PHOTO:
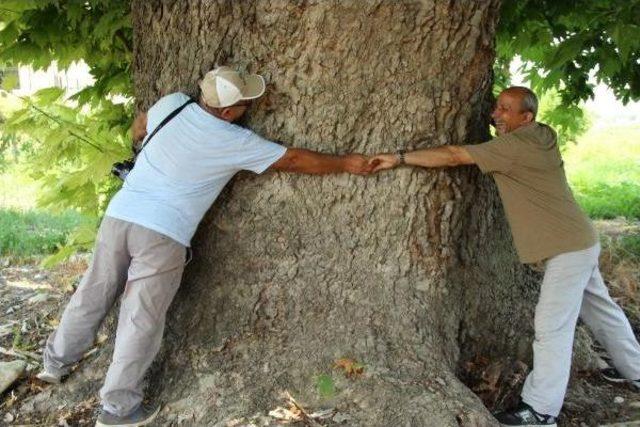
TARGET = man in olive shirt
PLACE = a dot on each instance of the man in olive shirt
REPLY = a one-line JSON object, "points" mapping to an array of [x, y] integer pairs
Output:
{"points": [[547, 225]]}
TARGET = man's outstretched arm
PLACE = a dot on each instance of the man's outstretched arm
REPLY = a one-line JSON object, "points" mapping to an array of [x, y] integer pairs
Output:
{"points": [[299, 160], [449, 155]]}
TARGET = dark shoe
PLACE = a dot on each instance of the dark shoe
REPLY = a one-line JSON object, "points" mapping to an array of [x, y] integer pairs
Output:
{"points": [[524, 416], [140, 417], [612, 375]]}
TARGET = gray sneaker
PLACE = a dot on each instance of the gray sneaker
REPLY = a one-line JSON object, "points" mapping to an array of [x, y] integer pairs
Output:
{"points": [[140, 417], [48, 377]]}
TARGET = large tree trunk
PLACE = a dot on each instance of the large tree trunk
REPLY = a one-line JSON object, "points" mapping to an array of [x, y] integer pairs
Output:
{"points": [[404, 272], [409, 272]]}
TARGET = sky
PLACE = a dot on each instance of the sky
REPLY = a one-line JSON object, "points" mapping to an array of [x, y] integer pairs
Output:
{"points": [[606, 109]]}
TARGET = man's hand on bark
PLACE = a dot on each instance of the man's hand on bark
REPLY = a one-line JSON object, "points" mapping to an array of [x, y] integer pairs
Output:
{"points": [[383, 161], [357, 164]]}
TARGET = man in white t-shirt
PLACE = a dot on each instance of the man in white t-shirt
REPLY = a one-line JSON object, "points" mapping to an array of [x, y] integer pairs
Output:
{"points": [[142, 241]]}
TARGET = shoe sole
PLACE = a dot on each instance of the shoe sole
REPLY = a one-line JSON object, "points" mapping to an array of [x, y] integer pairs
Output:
{"points": [[532, 425], [614, 379], [50, 379], [137, 424], [634, 384]]}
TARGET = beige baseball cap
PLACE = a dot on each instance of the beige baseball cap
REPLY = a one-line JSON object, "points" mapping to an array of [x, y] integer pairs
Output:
{"points": [[224, 86]]}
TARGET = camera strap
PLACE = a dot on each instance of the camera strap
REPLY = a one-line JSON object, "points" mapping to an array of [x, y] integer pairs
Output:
{"points": [[165, 121]]}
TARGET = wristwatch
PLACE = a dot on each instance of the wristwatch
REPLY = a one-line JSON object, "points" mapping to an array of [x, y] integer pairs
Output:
{"points": [[400, 154]]}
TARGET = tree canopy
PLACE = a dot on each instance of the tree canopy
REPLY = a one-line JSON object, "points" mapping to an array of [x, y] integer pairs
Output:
{"points": [[568, 47], [99, 32], [71, 143], [564, 43]]}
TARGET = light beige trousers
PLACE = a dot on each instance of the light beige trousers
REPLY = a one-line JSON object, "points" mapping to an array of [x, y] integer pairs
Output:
{"points": [[143, 266], [573, 287]]}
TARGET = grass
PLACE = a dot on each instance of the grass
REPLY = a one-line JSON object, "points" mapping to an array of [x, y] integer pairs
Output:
{"points": [[28, 233], [604, 172], [25, 230]]}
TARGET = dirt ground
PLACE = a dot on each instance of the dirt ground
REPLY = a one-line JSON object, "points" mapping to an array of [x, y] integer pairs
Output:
{"points": [[31, 300]]}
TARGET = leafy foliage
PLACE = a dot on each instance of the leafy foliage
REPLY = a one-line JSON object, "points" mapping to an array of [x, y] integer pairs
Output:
{"points": [[569, 121], [563, 44], [9, 144], [37, 32], [70, 144], [71, 149]]}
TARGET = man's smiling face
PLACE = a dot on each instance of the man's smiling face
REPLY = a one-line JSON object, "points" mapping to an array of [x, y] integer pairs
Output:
{"points": [[508, 114]]}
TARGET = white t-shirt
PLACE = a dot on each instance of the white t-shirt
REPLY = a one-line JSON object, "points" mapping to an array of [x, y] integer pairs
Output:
{"points": [[179, 174]]}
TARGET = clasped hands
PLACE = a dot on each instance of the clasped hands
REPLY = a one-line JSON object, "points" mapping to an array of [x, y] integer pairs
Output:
{"points": [[360, 164]]}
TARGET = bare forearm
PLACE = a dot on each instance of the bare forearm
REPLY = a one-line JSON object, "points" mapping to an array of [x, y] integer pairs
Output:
{"points": [[318, 163], [449, 155], [299, 160], [436, 157]]}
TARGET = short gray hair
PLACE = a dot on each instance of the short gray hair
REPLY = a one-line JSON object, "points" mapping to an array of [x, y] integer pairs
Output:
{"points": [[529, 99]]}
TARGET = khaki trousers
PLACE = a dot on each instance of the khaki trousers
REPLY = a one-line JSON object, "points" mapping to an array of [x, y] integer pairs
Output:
{"points": [[145, 268]]}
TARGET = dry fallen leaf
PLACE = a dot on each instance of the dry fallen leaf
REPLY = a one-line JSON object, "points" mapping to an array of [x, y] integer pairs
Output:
{"points": [[350, 367], [295, 412]]}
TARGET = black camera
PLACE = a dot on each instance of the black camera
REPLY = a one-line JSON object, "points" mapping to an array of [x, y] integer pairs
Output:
{"points": [[122, 169]]}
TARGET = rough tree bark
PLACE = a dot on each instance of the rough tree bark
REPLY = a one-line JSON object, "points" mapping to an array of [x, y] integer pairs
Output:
{"points": [[402, 272], [408, 272]]}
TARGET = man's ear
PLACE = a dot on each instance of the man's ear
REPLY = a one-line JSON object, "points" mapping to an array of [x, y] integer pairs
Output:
{"points": [[226, 113], [529, 117]]}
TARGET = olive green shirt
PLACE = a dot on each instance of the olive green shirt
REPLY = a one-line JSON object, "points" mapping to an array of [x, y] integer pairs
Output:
{"points": [[544, 217]]}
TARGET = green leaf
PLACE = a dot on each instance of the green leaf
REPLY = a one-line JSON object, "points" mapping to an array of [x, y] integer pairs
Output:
{"points": [[84, 235], [48, 95], [567, 50], [626, 37], [60, 255], [9, 33], [10, 82], [325, 386], [17, 118], [610, 63]]}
